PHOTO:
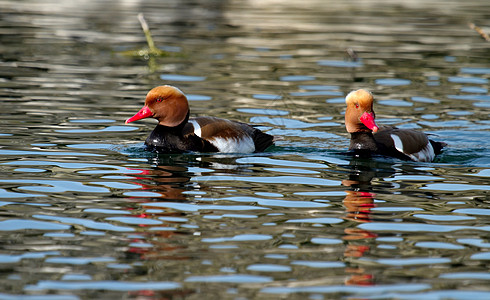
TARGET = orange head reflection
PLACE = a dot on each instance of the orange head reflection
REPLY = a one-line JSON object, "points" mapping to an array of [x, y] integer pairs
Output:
{"points": [[358, 205]]}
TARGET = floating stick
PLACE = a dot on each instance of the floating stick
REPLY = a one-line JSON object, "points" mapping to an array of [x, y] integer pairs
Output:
{"points": [[482, 33], [146, 30]]}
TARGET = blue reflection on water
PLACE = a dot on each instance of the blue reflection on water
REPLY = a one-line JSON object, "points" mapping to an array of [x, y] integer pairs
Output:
{"points": [[340, 63], [109, 285], [88, 223], [17, 224], [393, 82], [235, 278], [177, 77], [361, 290], [78, 260]]}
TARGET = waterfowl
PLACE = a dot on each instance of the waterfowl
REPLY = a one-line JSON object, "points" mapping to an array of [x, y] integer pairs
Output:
{"points": [[367, 137], [177, 133]]}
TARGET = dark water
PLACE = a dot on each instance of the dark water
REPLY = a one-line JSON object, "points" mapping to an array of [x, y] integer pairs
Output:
{"points": [[86, 213]]}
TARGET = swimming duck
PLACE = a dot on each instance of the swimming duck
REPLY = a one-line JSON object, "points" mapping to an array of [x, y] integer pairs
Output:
{"points": [[367, 137], [177, 133]]}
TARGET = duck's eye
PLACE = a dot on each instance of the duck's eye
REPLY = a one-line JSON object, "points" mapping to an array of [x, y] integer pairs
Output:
{"points": [[159, 100]]}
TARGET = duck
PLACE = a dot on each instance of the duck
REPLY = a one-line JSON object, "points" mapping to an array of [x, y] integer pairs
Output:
{"points": [[368, 138], [177, 133]]}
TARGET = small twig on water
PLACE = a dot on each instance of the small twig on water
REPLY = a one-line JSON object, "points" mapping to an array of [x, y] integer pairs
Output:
{"points": [[148, 53], [482, 33], [152, 51], [146, 30], [352, 54]]}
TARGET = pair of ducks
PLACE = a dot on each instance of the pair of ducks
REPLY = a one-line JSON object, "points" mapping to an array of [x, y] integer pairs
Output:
{"points": [[177, 133]]}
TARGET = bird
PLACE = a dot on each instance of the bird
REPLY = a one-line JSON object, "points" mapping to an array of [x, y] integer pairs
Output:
{"points": [[177, 133], [368, 138]]}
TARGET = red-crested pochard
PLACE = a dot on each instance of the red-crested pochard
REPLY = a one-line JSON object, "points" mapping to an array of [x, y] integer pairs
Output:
{"points": [[367, 137], [177, 133]]}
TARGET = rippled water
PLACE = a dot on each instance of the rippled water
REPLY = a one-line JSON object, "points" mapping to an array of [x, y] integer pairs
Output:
{"points": [[87, 213]]}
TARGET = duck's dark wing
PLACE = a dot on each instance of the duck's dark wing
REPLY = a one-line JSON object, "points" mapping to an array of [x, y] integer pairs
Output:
{"points": [[228, 136], [412, 143]]}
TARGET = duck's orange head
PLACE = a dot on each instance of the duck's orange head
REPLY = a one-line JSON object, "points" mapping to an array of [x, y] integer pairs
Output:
{"points": [[165, 103], [359, 115]]}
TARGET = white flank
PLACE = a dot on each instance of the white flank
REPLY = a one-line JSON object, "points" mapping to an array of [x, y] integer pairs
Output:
{"points": [[233, 145], [398, 142], [197, 128], [427, 153]]}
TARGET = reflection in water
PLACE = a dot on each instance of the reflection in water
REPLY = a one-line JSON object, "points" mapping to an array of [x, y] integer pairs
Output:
{"points": [[166, 182], [169, 184], [359, 200], [358, 203]]}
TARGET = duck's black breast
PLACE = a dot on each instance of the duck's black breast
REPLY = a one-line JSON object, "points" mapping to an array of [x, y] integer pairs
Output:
{"points": [[363, 141], [165, 139]]}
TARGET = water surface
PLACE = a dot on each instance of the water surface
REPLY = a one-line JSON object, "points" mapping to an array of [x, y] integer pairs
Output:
{"points": [[87, 213]]}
